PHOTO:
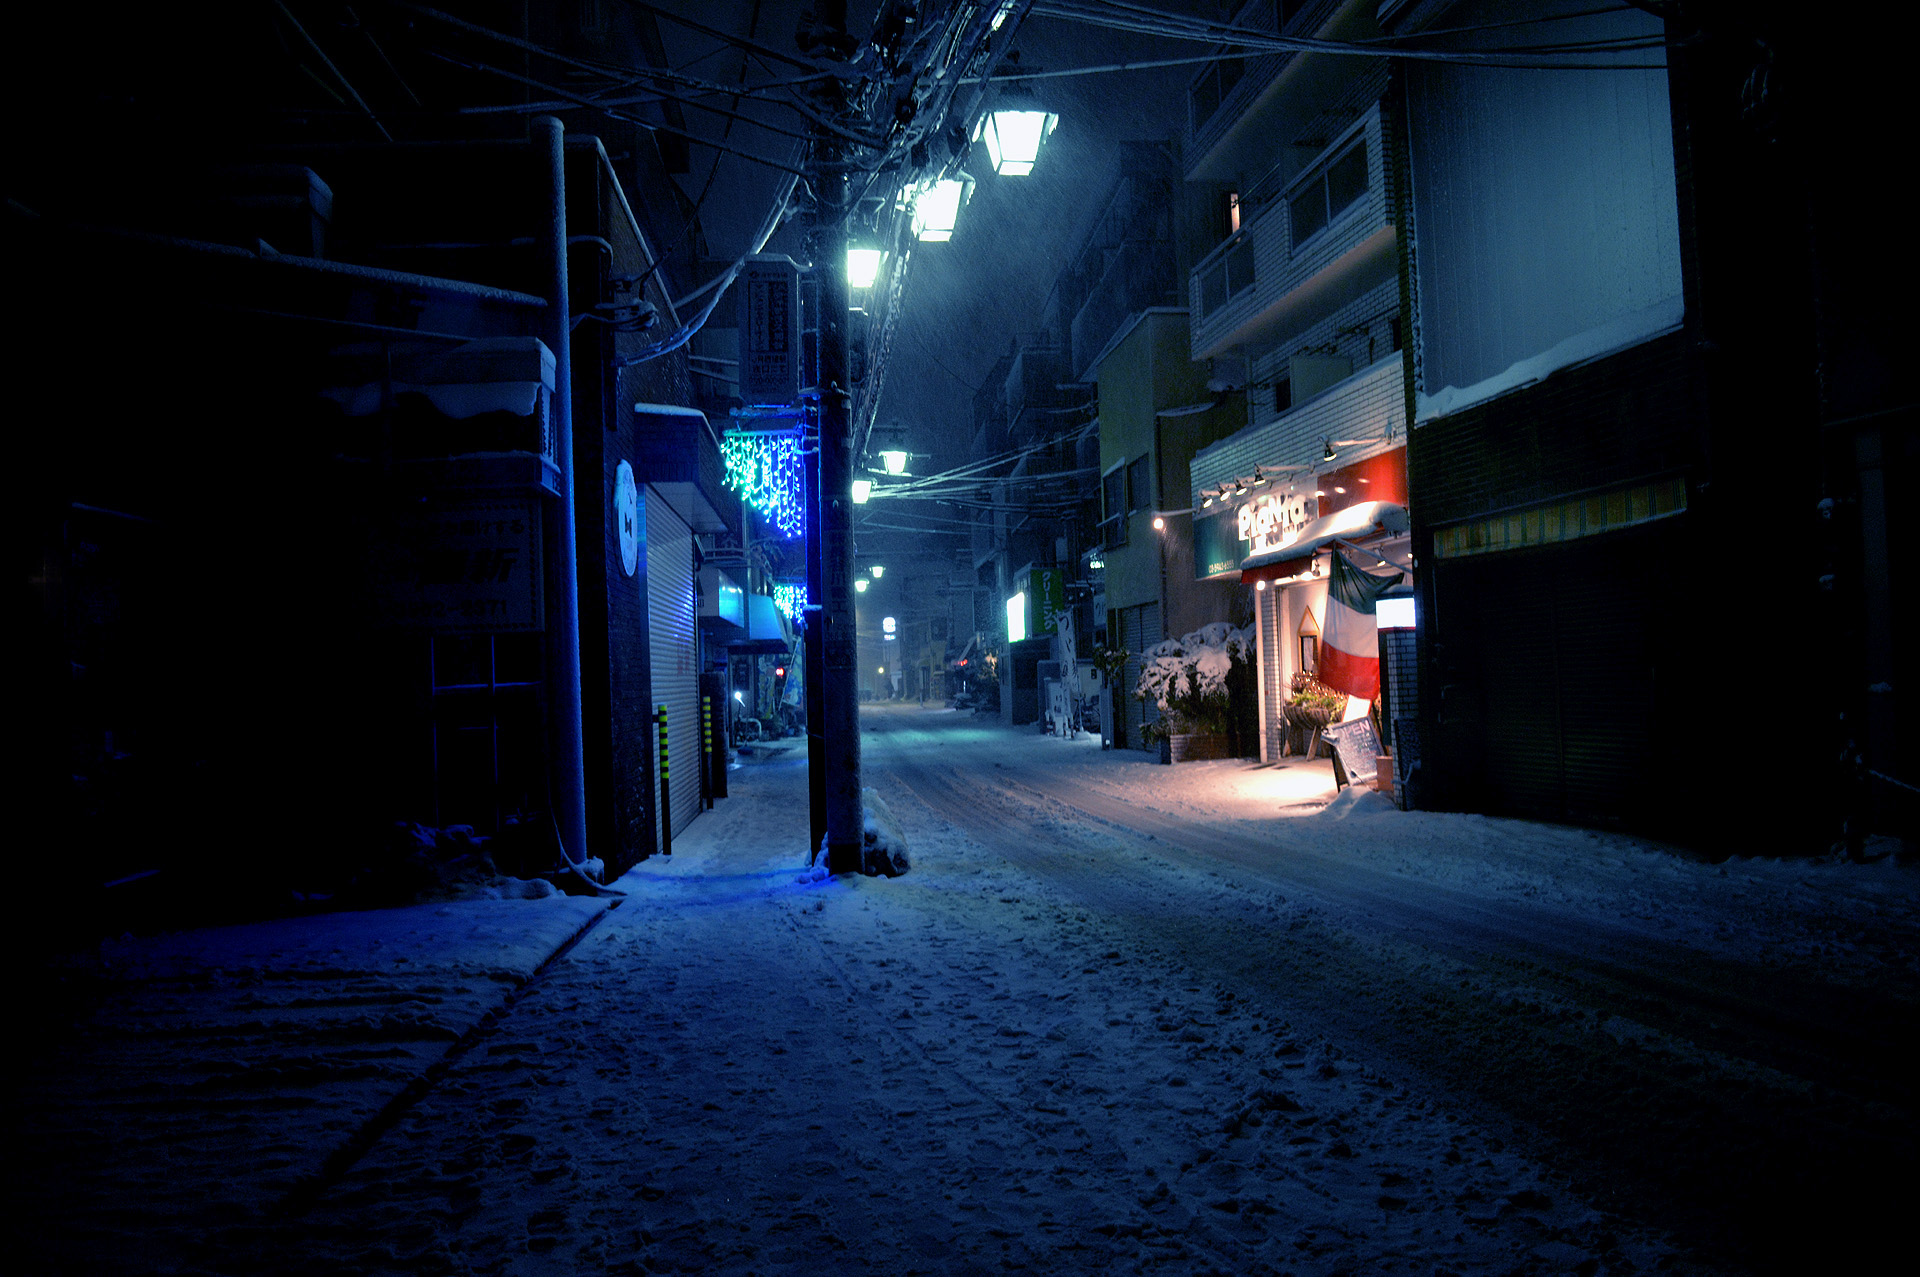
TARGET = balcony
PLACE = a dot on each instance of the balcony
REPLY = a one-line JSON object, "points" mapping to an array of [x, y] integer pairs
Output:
{"points": [[1260, 285]]}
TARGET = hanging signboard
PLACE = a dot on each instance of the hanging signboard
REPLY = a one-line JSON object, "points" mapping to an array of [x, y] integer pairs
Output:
{"points": [[769, 287], [1046, 591]]}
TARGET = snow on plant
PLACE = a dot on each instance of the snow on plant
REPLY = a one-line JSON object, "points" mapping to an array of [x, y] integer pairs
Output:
{"points": [[1186, 678]]}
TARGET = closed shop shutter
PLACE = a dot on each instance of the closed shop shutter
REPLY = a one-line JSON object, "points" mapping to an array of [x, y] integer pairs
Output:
{"points": [[1548, 671], [1139, 630], [676, 668]]}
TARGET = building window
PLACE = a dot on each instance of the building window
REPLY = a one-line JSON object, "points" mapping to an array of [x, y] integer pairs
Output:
{"points": [[1139, 484], [1113, 526], [1283, 394], [1228, 275], [1213, 86], [1328, 192]]}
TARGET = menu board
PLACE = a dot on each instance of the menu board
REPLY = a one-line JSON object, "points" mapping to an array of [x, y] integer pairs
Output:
{"points": [[1358, 746]]}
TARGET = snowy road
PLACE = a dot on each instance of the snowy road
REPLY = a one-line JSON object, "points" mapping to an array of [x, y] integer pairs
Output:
{"points": [[1118, 1018]]}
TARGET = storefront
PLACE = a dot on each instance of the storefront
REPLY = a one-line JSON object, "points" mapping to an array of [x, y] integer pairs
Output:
{"points": [[1280, 538]]}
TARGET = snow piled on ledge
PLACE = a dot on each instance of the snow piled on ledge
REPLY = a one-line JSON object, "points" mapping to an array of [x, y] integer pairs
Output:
{"points": [[1616, 334]]}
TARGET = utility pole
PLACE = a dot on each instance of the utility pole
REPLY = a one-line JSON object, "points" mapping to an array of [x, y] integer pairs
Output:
{"points": [[840, 728]]}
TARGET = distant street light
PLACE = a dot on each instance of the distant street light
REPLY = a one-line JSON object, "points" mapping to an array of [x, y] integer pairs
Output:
{"points": [[1014, 139], [860, 585], [894, 461], [937, 205], [863, 266], [879, 570]]}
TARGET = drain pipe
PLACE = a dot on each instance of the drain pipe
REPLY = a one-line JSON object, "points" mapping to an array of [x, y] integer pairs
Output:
{"points": [[565, 736]]}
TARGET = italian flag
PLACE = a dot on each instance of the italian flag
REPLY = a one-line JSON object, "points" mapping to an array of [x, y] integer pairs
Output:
{"points": [[1350, 640]]}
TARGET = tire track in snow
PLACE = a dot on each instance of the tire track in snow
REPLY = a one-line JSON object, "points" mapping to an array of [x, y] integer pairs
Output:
{"points": [[1293, 973], [1694, 1091]]}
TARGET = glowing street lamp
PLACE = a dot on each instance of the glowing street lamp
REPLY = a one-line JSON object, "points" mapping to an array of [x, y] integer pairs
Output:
{"points": [[1014, 139], [879, 570], [894, 461], [863, 266], [862, 491], [860, 585], [937, 205]]}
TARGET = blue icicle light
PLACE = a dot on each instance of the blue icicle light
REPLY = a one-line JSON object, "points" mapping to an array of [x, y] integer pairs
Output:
{"points": [[767, 472], [790, 598]]}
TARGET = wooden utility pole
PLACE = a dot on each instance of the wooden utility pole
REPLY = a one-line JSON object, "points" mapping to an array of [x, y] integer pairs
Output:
{"points": [[839, 732]]}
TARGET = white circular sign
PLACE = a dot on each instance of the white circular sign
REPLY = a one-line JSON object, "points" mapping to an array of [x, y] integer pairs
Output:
{"points": [[626, 512]]}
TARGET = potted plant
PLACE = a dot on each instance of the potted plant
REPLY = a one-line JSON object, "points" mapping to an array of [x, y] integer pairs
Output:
{"points": [[1186, 679], [1312, 706]]}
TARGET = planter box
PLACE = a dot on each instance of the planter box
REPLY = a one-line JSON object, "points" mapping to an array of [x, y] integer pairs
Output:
{"points": [[1194, 747]]}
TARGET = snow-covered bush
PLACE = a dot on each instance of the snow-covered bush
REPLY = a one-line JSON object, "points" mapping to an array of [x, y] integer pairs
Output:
{"points": [[1186, 678]]}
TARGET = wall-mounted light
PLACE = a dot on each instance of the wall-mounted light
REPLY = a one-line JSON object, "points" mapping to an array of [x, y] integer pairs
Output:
{"points": [[1391, 613], [893, 461], [879, 570], [887, 626], [863, 267], [862, 491], [1205, 502], [1159, 524], [1329, 454], [1014, 139], [860, 585]]}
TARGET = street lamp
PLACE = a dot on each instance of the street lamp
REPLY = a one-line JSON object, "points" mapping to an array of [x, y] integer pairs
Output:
{"points": [[860, 585], [879, 570], [862, 491], [937, 205], [863, 266], [893, 461], [1014, 139]]}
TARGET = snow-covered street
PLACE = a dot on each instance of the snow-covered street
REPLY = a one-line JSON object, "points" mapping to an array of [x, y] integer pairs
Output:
{"points": [[1118, 1017]]}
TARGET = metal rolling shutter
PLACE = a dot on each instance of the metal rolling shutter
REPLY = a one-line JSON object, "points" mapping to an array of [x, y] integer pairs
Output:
{"points": [[676, 670], [1139, 630], [1605, 623], [1556, 652]]}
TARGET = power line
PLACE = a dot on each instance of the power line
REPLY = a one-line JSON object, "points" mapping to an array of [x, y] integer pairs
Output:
{"points": [[1142, 20]]}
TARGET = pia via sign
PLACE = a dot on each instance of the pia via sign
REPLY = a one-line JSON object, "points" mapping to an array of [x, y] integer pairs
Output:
{"points": [[1271, 521]]}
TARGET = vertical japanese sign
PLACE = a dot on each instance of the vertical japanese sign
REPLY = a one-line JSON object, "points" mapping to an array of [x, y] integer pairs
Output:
{"points": [[769, 331], [469, 568], [1046, 591]]}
